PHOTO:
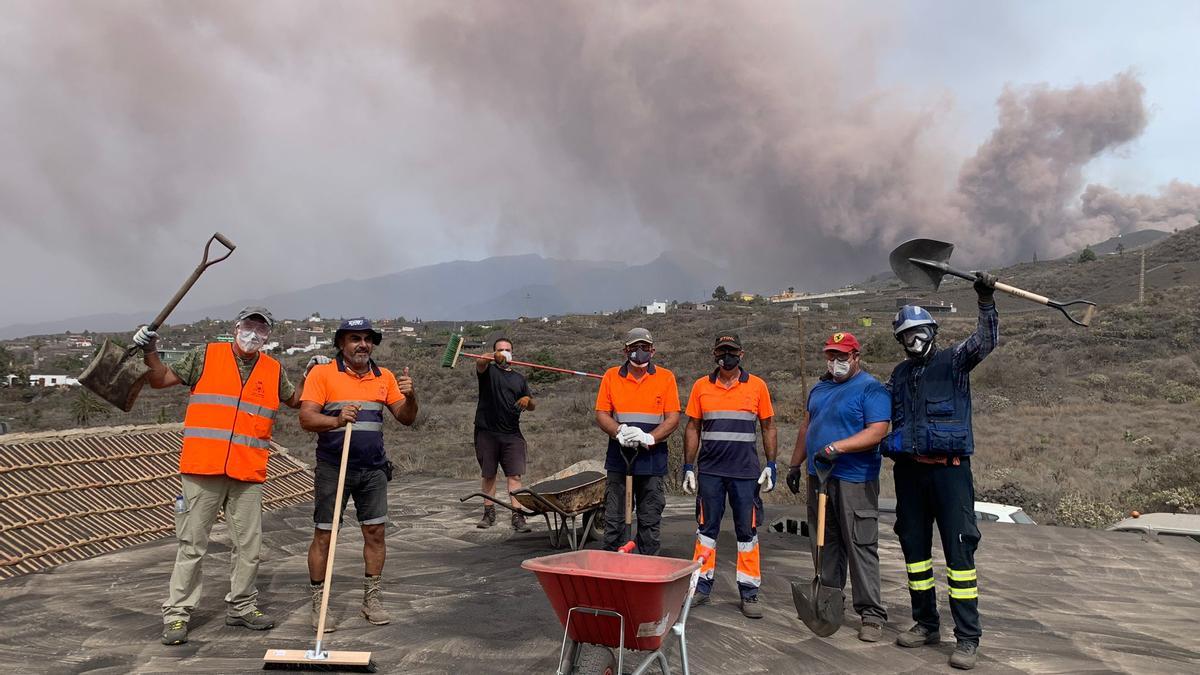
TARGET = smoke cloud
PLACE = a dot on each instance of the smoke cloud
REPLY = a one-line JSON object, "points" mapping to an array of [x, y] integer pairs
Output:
{"points": [[332, 144]]}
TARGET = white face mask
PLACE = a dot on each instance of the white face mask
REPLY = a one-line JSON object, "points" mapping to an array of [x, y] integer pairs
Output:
{"points": [[839, 369], [249, 341]]}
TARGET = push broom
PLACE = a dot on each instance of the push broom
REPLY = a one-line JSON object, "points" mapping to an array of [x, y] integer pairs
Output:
{"points": [[454, 350], [318, 658]]}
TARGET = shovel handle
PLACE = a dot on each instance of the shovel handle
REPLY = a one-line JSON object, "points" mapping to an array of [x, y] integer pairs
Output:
{"points": [[205, 263], [821, 499], [1023, 294]]}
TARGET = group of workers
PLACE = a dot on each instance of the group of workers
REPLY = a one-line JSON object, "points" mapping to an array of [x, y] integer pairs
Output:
{"points": [[921, 418]]}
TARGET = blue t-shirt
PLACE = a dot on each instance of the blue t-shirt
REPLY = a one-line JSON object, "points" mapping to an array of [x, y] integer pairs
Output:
{"points": [[838, 411]]}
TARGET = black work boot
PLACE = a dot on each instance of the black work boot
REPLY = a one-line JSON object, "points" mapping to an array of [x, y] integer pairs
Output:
{"points": [[489, 517], [519, 524], [750, 608], [918, 635], [964, 655]]}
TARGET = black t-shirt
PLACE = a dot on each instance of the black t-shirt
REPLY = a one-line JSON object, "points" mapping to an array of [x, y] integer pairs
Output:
{"points": [[499, 390]]}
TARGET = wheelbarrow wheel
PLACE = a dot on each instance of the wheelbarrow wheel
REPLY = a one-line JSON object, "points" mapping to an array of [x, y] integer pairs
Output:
{"points": [[596, 660], [598, 524]]}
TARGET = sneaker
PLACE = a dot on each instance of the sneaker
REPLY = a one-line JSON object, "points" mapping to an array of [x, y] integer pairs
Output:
{"points": [[174, 633], [750, 608], [317, 591], [372, 607], [918, 635], [964, 655], [489, 518], [699, 599], [254, 620], [870, 632], [519, 524]]}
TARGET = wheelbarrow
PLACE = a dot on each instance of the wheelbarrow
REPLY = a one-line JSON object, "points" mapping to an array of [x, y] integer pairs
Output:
{"points": [[561, 499], [616, 601]]}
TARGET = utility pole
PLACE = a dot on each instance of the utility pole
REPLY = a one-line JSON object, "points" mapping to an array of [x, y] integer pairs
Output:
{"points": [[1142, 280]]}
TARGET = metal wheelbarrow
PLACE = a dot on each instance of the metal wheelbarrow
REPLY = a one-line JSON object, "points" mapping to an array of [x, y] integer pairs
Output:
{"points": [[561, 499]]}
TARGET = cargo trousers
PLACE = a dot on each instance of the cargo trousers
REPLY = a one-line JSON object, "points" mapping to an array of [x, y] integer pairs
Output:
{"points": [[851, 541], [203, 498]]}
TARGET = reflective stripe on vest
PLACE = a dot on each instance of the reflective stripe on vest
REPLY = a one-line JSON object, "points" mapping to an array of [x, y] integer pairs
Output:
{"points": [[721, 427], [366, 443], [227, 428]]}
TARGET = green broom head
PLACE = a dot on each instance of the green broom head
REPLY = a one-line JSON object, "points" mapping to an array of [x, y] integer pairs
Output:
{"points": [[453, 349]]}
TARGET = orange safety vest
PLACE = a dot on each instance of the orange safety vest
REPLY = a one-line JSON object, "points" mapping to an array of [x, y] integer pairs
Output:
{"points": [[227, 429]]}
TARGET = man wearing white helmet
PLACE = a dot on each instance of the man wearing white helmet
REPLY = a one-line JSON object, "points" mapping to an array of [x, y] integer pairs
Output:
{"points": [[931, 442]]}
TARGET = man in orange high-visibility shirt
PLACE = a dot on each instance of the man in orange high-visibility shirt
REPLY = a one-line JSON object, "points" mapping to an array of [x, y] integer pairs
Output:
{"points": [[353, 389], [236, 394], [724, 409]]}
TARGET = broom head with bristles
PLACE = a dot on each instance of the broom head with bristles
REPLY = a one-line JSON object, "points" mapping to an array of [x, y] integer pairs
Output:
{"points": [[453, 350]]}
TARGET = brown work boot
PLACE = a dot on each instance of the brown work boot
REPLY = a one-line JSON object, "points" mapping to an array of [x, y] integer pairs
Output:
{"points": [[317, 590], [519, 524], [750, 608], [372, 607], [489, 517], [870, 631]]}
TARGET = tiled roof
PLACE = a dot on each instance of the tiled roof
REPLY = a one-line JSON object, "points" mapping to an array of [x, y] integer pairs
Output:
{"points": [[69, 495]]}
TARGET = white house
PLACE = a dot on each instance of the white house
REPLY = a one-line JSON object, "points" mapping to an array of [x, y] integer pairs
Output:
{"points": [[704, 307], [52, 381], [656, 308]]}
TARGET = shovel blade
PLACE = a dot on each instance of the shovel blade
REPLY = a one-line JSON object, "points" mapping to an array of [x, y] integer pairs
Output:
{"points": [[917, 275], [819, 607], [116, 375]]}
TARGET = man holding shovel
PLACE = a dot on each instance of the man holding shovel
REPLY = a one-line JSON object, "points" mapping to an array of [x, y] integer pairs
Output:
{"points": [[931, 442], [503, 395], [848, 414], [236, 394], [724, 409], [638, 408], [352, 388]]}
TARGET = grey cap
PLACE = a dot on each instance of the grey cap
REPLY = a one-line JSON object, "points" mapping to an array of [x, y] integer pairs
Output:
{"points": [[261, 312], [638, 335]]}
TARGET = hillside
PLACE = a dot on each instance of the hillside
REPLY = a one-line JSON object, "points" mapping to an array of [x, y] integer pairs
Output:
{"points": [[1076, 425]]}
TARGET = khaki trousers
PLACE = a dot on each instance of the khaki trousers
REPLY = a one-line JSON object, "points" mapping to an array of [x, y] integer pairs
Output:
{"points": [[203, 497]]}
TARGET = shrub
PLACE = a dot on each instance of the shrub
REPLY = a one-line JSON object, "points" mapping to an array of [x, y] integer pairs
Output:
{"points": [[1076, 510]]}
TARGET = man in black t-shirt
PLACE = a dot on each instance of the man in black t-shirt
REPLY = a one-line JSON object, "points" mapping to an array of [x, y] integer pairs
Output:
{"points": [[503, 396]]}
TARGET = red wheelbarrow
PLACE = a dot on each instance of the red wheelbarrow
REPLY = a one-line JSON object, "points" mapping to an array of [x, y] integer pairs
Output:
{"points": [[608, 601]]}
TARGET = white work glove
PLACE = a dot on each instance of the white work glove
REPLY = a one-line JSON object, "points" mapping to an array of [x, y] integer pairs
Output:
{"points": [[145, 338], [689, 480], [317, 360], [627, 436], [644, 438], [768, 476]]}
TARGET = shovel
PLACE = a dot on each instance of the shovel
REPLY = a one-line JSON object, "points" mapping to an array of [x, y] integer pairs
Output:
{"points": [[818, 606], [115, 375], [923, 263]]}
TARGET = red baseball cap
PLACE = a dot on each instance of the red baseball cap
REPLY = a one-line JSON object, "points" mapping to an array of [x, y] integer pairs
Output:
{"points": [[842, 342]]}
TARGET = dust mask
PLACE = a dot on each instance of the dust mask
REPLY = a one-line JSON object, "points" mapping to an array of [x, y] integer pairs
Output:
{"points": [[839, 369], [640, 358], [507, 355], [249, 341]]}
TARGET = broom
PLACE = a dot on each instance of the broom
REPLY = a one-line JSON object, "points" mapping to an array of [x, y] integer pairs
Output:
{"points": [[317, 658], [454, 350]]}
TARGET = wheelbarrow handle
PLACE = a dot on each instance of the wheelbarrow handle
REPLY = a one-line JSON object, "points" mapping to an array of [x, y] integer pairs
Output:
{"points": [[497, 502], [205, 263]]}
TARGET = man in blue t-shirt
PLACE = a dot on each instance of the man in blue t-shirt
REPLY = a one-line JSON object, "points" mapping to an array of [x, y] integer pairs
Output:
{"points": [[847, 415]]}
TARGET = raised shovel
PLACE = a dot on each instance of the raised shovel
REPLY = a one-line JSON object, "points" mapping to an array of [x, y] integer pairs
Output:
{"points": [[923, 262], [820, 607], [116, 374]]}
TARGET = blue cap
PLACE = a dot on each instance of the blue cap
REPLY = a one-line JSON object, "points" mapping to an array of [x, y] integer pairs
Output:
{"points": [[358, 325]]}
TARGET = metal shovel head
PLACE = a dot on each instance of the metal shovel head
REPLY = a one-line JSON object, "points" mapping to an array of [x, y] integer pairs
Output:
{"points": [[819, 607], [116, 375], [917, 275]]}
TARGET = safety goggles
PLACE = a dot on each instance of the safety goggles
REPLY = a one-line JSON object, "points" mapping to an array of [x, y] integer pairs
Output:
{"points": [[259, 328], [910, 336]]}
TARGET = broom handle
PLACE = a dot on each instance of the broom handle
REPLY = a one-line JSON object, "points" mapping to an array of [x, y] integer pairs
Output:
{"points": [[337, 516], [538, 366]]}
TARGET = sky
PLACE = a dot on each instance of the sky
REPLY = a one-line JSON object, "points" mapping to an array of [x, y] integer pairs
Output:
{"points": [[794, 143]]}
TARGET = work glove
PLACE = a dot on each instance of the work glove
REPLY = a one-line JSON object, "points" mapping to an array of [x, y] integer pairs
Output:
{"points": [[643, 438], [827, 454], [317, 360], [795, 475], [626, 435], [145, 338], [689, 479], [985, 287], [770, 476]]}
